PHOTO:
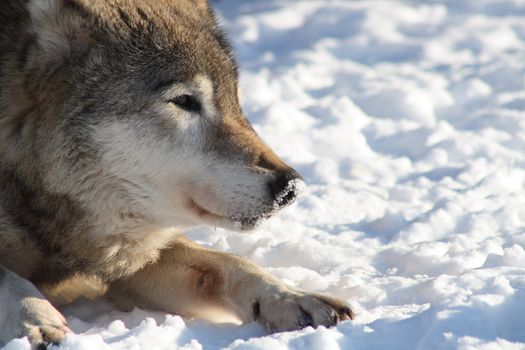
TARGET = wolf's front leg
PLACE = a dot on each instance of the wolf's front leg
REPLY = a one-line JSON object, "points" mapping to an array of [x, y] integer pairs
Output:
{"points": [[188, 279], [25, 312]]}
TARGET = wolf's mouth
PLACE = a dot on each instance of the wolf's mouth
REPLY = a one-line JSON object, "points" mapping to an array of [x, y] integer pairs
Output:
{"points": [[200, 211], [207, 216]]}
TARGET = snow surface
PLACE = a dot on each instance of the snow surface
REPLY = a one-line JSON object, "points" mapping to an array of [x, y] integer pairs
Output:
{"points": [[407, 122]]}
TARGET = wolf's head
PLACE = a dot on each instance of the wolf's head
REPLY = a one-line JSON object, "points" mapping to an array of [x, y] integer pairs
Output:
{"points": [[141, 98]]}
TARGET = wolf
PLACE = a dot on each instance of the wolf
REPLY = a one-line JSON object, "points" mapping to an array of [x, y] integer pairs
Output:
{"points": [[120, 127]]}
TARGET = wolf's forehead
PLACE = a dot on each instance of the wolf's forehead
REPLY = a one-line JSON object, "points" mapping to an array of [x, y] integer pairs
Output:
{"points": [[146, 8], [158, 19], [179, 36]]}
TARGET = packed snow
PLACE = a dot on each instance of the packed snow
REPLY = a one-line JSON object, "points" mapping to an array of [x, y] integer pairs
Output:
{"points": [[407, 122]]}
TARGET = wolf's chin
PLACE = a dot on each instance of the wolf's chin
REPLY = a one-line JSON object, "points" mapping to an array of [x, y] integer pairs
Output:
{"points": [[239, 223], [249, 224]]}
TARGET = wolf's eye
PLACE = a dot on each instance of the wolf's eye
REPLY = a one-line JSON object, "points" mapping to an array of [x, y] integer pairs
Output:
{"points": [[187, 102]]}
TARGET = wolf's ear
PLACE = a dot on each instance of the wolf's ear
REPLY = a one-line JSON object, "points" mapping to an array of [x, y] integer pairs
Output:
{"points": [[58, 26]]}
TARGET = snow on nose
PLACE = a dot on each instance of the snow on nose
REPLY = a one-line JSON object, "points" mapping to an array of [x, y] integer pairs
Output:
{"points": [[285, 187]]}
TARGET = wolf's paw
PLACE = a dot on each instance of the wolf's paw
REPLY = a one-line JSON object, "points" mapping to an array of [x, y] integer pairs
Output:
{"points": [[42, 336], [42, 323], [296, 310]]}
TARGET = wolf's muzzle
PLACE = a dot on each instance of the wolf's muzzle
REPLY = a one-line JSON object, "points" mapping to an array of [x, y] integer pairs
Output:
{"points": [[285, 187]]}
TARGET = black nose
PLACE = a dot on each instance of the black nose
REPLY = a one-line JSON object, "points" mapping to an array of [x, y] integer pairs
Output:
{"points": [[285, 187]]}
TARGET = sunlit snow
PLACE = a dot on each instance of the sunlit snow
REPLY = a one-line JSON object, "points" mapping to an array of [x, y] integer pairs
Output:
{"points": [[407, 122]]}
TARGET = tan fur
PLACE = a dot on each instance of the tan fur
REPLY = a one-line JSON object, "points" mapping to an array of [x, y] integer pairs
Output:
{"points": [[189, 280], [73, 288]]}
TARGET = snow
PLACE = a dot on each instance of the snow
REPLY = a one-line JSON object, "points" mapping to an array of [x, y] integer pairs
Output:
{"points": [[407, 122]]}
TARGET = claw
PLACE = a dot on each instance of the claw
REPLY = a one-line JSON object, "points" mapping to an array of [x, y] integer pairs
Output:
{"points": [[345, 313], [334, 318], [306, 319], [256, 307]]}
